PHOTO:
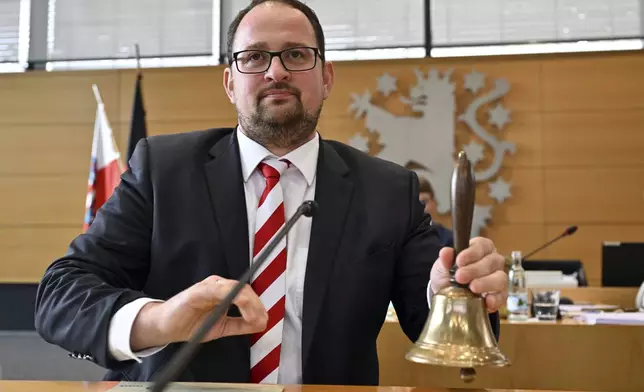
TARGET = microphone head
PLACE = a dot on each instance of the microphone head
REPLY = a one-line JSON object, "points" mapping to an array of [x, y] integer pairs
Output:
{"points": [[309, 208], [570, 230]]}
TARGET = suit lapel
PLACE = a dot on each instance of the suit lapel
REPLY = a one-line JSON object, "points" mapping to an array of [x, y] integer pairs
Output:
{"points": [[226, 187], [333, 193]]}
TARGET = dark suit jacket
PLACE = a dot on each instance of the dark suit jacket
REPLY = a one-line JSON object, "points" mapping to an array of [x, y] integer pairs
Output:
{"points": [[179, 216], [445, 235]]}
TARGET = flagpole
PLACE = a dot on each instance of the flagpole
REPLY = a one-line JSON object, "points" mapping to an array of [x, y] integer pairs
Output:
{"points": [[138, 57], [138, 129], [97, 94]]}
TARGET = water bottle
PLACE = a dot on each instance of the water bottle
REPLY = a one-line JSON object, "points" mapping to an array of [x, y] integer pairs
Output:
{"points": [[517, 303]]}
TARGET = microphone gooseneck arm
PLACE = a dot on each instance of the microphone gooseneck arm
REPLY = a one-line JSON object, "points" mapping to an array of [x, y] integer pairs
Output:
{"points": [[180, 360], [569, 231]]}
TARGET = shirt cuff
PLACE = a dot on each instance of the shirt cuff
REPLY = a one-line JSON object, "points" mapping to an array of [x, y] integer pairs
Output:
{"points": [[121, 328], [639, 300], [430, 294]]}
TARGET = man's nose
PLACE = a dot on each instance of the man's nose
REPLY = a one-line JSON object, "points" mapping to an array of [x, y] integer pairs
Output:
{"points": [[276, 70]]}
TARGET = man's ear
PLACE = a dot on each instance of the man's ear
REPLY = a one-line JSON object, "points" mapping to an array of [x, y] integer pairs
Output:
{"points": [[228, 84], [328, 77]]}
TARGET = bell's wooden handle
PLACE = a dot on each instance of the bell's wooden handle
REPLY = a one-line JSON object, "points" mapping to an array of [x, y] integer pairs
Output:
{"points": [[463, 194]]}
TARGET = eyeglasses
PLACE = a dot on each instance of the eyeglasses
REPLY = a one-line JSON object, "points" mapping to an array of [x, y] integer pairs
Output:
{"points": [[302, 58]]}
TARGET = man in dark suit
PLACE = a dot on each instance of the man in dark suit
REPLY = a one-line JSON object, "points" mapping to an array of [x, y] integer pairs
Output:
{"points": [[194, 209]]}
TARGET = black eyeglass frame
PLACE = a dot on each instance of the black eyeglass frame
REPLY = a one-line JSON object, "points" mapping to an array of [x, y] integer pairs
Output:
{"points": [[277, 54]]}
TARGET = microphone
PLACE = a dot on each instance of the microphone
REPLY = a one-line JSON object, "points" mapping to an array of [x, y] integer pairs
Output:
{"points": [[569, 231], [178, 363]]}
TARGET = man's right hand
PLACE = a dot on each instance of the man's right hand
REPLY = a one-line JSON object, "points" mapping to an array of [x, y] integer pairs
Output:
{"points": [[177, 319]]}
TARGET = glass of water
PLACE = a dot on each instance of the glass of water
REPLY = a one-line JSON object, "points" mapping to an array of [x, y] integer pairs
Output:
{"points": [[546, 303]]}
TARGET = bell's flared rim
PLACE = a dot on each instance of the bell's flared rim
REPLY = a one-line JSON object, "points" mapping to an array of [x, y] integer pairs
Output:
{"points": [[463, 357]]}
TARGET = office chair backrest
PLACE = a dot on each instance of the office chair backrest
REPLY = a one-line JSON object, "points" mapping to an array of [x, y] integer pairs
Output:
{"points": [[622, 264], [567, 267]]}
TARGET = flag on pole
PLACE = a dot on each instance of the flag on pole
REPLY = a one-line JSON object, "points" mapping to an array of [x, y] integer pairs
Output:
{"points": [[105, 166], [138, 129]]}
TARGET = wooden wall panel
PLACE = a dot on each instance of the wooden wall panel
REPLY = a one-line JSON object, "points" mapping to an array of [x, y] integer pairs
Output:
{"points": [[185, 94], [522, 237], [597, 195], [28, 251], [593, 82], [122, 129], [45, 149], [525, 131], [357, 77], [340, 127], [577, 121], [54, 98], [525, 205], [42, 200], [598, 138]]}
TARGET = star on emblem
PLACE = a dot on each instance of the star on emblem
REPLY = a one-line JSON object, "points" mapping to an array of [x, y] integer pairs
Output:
{"points": [[474, 152], [499, 116], [481, 215], [359, 142], [360, 103], [499, 190], [474, 81], [386, 84]]}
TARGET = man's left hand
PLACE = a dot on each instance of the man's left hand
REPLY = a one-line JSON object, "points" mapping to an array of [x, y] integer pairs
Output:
{"points": [[479, 266]]}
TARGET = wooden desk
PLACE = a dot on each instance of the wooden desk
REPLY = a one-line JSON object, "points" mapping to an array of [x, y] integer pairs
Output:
{"points": [[71, 386], [623, 297], [560, 356]]}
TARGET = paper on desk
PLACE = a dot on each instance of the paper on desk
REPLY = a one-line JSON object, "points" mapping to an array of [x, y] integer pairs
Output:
{"points": [[589, 307], [128, 386], [621, 318]]}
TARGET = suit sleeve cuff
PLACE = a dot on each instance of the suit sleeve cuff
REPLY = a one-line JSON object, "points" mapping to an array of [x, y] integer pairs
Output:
{"points": [[121, 328]]}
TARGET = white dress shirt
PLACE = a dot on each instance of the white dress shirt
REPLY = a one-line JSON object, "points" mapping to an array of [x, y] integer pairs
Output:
{"points": [[298, 183]]}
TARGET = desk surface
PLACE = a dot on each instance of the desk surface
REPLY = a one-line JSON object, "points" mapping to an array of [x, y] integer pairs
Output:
{"points": [[75, 386], [566, 355]]}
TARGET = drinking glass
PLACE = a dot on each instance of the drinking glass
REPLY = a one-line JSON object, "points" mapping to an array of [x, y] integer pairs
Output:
{"points": [[546, 303]]}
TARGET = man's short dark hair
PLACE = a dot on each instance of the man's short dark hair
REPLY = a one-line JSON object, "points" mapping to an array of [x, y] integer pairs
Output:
{"points": [[298, 5], [424, 186]]}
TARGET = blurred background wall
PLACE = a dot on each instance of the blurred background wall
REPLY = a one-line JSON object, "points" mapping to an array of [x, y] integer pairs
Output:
{"points": [[577, 122], [575, 70]]}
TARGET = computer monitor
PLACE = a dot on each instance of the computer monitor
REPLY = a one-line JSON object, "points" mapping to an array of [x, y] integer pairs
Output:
{"points": [[567, 267], [622, 264]]}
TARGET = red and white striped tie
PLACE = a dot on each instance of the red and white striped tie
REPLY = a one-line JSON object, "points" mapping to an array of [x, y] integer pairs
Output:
{"points": [[269, 282]]}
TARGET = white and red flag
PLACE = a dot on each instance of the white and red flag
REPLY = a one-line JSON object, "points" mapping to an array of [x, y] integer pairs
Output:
{"points": [[105, 167]]}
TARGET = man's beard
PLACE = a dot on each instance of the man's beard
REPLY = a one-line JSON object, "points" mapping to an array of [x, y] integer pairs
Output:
{"points": [[292, 128]]}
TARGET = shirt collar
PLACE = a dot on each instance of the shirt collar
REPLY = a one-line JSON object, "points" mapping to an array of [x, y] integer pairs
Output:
{"points": [[304, 158]]}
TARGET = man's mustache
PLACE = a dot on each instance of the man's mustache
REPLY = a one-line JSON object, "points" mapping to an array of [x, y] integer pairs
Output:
{"points": [[279, 86]]}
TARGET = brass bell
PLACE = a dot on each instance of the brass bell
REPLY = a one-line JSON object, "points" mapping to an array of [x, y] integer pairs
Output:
{"points": [[458, 332]]}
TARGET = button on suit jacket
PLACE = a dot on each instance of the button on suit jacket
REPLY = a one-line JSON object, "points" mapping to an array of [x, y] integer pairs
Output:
{"points": [[179, 216]]}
